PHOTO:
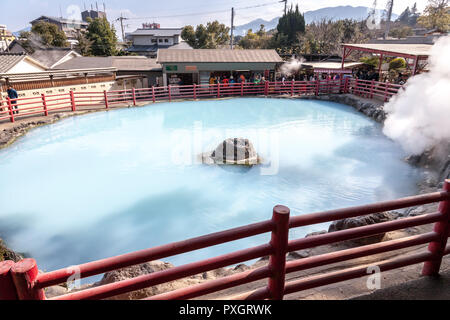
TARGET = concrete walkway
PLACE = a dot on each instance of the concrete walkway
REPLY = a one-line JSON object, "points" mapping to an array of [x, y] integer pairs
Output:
{"points": [[425, 288]]}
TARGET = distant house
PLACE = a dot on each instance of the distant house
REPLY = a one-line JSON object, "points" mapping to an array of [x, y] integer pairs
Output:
{"points": [[49, 57], [147, 41], [420, 36], [19, 63], [70, 27], [52, 57], [196, 66], [6, 37], [129, 68], [92, 14]]}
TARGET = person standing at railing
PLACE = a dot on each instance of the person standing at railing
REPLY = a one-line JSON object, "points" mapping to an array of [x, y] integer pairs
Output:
{"points": [[12, 94]]}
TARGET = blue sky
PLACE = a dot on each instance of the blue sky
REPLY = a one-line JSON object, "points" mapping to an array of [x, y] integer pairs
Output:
{"points": [[17, 14]]}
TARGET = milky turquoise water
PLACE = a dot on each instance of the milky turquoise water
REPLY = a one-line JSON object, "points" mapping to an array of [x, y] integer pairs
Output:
{"points": [[108, 183]]}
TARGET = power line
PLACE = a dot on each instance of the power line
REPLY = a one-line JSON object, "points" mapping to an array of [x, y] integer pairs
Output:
{"points": [[121, 18], [201, 13]]}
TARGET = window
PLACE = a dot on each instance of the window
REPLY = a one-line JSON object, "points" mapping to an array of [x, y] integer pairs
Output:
{"points": [[160, 40], [153, 40], [166, 40]]}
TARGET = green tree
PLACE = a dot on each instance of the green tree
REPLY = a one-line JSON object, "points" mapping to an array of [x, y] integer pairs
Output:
{"points": [[25, 40], [289, 27], [212, 36], [258, 40], [102, 36], [397, 64], [326, 36], [436, 15], [401, 32], [414, 15], [49, 34], [84, 45], [371, 61], [414, 10], [405, 16]]}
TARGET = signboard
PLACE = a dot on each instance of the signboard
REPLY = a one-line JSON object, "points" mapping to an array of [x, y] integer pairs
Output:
{"points": [[320, 70], [171, 68], [191, 68]]}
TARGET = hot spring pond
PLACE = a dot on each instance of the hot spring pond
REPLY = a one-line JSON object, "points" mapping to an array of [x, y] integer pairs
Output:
{"points": [[108, 183]]}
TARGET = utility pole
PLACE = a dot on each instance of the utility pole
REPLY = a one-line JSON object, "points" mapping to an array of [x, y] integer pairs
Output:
{"points": [[390, 5], [232, 28], [121, 18], [285, 5]]}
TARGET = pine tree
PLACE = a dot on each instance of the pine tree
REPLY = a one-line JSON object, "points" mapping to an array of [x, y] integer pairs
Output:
{"points": [[291, 24], [102, 36]]}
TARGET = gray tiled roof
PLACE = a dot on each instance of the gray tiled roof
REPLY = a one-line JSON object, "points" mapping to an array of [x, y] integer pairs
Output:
{"points": [[217, 55], [9, 60], [409, 49], [135, 64], [85, 63], [156, 47], [49, 57], [157, 32], [121, 63], [61, 20]]}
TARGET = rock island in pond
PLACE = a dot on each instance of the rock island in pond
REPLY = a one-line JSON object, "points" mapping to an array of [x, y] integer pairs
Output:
{"points": [[237, 151]]}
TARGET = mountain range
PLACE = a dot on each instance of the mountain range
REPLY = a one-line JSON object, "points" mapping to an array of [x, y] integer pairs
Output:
{"points": [[333, 13]]}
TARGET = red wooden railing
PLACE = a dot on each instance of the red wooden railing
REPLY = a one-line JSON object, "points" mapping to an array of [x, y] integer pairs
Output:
{"points": [[21, 281], [45, 104]]}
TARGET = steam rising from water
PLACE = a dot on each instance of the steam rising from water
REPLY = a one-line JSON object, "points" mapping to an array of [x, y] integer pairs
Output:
{"points": [[419, 116], [292, 66]]}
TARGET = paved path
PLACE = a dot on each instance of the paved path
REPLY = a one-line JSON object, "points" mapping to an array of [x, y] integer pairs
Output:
{"points": [[425, 288]]}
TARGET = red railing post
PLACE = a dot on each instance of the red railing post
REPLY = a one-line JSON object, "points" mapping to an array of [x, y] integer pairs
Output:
{"points": [[24, 274], [355, 89], [277, 261], [72, 101], [292, 88], [134, 96], [170, 94], [242, 89], [372, 87], [317, 87], [266, 88], [437, 248], [386, 91], [11, 113], [153, 94], [7, 287], [195, 91], [218, 90], [44, 103], [105, 94], [346, 85]]}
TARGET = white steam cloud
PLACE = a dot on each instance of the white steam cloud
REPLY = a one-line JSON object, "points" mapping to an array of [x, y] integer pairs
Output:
{"points": [[419, 116], [292, 66]]}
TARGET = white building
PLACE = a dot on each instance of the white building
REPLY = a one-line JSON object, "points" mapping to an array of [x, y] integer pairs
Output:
{"points": [[148, 41], [19, 63], [6, 38]]}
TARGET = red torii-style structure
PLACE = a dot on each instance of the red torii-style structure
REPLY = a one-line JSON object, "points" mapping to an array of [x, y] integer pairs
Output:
{"points": [[416, 52]]}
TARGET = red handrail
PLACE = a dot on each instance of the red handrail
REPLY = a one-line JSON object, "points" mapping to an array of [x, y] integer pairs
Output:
{"points": [[23, 276], [71, 100]]}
